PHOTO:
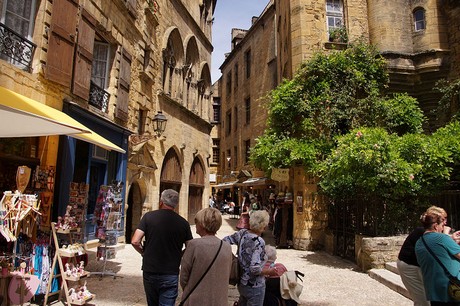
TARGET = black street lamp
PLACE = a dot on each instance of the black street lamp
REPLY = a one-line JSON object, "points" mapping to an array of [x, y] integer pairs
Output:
{"points": [[159, 123]]}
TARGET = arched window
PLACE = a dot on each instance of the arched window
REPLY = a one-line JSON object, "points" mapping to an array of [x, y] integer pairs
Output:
{"points": [[419, 19]]}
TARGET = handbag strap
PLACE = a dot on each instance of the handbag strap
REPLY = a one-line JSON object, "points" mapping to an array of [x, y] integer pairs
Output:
{"points": [[437, 259], [202, 276]]}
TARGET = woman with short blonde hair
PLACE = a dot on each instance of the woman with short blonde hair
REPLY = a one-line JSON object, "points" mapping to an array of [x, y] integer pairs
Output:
{"points": [[210, 219], [212, 289]]}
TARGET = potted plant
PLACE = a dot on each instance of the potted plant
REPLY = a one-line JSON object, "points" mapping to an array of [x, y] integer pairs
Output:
{"points": [[338, 34]]}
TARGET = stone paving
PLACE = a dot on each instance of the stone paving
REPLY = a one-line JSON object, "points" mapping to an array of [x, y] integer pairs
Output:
{"points": [[329, 280]]}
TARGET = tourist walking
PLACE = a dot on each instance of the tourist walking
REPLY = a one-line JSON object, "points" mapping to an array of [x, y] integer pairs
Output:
{"points": [[434, 250], [165, 234], [205, 265], [251, 257]]}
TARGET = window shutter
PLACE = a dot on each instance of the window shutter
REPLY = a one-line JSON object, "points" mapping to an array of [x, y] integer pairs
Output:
{"points": [[61, 41], [84, 55], [124, 81]]}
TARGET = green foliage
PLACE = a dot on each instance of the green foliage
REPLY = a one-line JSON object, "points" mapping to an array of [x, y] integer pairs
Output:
{"points": [[338, 34], [450, 91], [334, 119]]}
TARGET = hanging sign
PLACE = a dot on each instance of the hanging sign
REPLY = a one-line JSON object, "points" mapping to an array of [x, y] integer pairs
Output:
{"points": [[280, 175]]}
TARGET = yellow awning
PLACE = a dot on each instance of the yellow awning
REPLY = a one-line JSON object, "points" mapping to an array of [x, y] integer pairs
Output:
{"points": [[21, 116], [98, 140]]}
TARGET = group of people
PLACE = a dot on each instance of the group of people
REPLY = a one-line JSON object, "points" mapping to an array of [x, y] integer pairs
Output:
{"points": [[203, 269], [426, 257]]}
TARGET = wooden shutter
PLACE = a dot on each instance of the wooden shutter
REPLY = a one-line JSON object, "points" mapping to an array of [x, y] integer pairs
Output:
{"points": [[124, 81], [84, 55], [61, 41]]}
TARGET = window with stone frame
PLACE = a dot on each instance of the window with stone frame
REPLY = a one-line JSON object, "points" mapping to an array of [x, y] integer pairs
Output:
{"points": [[215, 150], [334, 14], [228, 123], [247, 148], [247, 103], [235, 86], [235, 115], [229, 83], [247, 60], [419, 19], [216, 110]]}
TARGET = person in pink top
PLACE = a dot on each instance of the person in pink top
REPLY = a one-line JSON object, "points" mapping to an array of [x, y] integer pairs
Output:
{"points": [[270, 251]]}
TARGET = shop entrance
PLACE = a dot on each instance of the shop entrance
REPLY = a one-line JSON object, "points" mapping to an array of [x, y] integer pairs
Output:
{"points": [[97, 177], [195, 191], [134, 212]]}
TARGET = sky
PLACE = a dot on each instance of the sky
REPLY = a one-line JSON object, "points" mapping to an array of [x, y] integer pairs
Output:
{"points": [[227, 15]]}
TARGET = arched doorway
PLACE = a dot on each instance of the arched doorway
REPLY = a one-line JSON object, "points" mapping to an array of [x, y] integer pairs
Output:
{"points": [[134, 211], [195, 191], [171, 172]]}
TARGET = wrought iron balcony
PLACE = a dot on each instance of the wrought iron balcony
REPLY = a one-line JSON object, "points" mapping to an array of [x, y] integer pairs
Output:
{"points": [[98, 97], [15, 48]]}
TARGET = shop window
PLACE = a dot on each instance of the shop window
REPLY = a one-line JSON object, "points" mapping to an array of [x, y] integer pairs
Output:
{"points": [[419, 19]]}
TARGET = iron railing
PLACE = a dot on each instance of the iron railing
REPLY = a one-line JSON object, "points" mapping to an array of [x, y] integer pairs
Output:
{"points": [[15, 48], [98, 97]]}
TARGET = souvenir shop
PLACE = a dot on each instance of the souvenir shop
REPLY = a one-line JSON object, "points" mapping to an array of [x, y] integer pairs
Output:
{"points": [[48, 213]]}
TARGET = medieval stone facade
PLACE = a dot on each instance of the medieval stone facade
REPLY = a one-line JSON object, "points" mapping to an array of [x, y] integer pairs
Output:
{"points": [[419, 39], [113, 66]]}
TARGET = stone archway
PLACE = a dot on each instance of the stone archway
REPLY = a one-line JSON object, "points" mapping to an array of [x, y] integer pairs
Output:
{"points": [[171, 172], [134, 209], [196, 188]]}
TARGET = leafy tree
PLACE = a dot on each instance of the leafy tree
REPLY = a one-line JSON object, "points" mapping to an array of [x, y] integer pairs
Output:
{"points": [[334, 118]]}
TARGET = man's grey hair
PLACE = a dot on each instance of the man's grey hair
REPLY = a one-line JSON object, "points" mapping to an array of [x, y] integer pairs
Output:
{"points": [[170, 197]]}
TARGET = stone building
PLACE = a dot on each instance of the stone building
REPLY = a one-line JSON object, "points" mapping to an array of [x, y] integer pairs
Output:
{"points": [[115, 67], [419, 39], [248, 73]]}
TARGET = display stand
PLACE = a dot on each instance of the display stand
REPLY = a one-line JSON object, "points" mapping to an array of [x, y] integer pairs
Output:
{"points": [[78, 295], [108, 219], [105, 251]]}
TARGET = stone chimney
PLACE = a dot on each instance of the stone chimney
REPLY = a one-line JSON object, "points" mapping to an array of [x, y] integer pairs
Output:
{"points": [[237, 36]]}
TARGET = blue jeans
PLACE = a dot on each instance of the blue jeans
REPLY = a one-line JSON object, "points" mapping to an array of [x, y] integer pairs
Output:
{"points": [[251, 296], [160, 289]]}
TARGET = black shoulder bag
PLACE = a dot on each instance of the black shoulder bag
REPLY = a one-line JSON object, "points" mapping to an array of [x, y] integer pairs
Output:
{"points": [[453, 288], [202, 276]]}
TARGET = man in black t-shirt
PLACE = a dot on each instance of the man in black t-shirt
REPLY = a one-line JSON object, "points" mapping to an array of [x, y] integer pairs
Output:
{"points": [[165, 234]]}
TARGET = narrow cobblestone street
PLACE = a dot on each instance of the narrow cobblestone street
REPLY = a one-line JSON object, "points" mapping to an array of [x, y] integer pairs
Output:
{"points": [[328, 280]]}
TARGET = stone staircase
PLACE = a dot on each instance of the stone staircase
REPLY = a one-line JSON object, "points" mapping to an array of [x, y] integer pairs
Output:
{"points": [[389, 276]]}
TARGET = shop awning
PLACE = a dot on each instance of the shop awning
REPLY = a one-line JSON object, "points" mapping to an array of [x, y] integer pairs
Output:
{"points": [[257, 181], [21, 116], [225, 185]]}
